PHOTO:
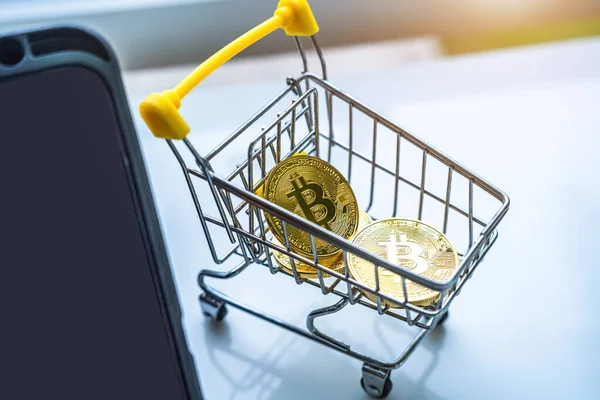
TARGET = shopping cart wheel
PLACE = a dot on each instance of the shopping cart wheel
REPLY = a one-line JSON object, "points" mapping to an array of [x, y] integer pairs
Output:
{"points": [[371, 391], [443, 318], [212, 307], [376, 382]]}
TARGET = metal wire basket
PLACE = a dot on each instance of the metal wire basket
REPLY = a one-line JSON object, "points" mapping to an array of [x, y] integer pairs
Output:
{"points": [[421, 183]]}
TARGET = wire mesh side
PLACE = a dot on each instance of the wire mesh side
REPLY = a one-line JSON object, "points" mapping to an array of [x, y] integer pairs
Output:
{"points": [[218, 212], [405, 176]]}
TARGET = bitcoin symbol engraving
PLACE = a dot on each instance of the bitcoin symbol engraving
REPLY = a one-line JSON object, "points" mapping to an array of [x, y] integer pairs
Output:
{"points": [[314, 196], [409, 251]]}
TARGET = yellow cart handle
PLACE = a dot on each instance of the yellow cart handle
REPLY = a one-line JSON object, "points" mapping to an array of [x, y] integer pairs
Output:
{"points": [[160, 110]]}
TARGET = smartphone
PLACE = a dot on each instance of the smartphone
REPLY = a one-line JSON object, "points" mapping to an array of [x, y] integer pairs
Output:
{"points": [[88, 306]]}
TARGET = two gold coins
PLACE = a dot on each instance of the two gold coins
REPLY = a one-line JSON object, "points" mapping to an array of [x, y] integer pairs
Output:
{"points": [[313, 189]]}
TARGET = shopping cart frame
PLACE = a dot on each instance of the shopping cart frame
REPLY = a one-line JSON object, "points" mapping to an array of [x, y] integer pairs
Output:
{"points": [[240, 216], [376, 373]]}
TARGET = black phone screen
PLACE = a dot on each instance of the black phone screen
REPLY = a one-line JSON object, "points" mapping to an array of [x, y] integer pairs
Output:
{"points": [[79, 312]]}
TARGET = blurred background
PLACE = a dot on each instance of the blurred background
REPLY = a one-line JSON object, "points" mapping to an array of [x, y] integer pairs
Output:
{"points": [[152, 33], [526, 119]]}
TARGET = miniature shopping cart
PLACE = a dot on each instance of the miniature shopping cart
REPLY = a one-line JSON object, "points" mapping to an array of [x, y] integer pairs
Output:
{"points": [[311, 115]]}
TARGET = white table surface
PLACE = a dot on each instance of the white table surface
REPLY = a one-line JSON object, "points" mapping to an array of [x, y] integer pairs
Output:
{"points": [[526, 326]]}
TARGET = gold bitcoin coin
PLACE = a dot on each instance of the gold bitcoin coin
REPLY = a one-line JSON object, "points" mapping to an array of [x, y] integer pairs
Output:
{"points": [[409, 244], [315, 190], [305, 270]]}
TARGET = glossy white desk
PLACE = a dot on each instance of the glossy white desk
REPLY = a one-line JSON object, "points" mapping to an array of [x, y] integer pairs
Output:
{"points": [[526, 326]]}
